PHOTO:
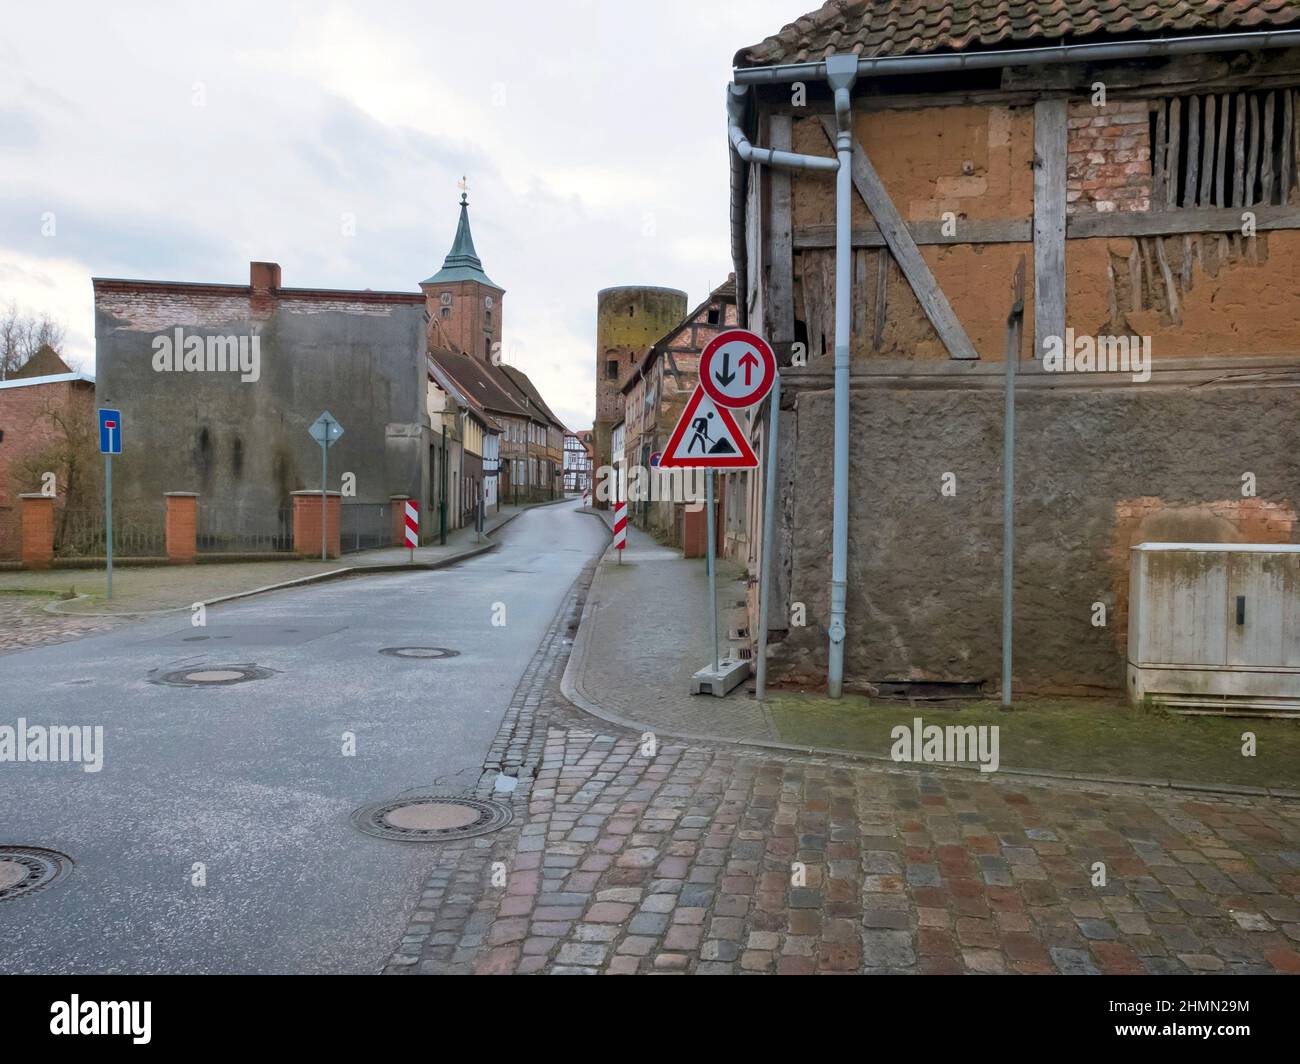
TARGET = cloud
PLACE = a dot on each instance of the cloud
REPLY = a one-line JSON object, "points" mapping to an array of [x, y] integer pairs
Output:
{"points": [[181, 142]]}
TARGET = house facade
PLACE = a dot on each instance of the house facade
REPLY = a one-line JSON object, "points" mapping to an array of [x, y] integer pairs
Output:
{"points": [[47, 415], [218, 384], [1146, 197], [655, 390]]}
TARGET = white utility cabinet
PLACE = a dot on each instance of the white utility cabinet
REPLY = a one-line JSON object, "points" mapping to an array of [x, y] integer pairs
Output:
{"points": [[1215, 626]]}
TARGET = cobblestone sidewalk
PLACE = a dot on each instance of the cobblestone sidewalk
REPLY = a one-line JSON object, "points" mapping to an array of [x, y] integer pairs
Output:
{"points": [[629, 855], [24, 623]]}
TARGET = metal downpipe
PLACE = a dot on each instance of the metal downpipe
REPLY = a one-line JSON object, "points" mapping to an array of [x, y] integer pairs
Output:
{"points": [[841, 72]]}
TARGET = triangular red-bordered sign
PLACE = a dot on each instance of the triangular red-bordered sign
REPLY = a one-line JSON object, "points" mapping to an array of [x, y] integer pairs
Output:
{"points": [[707, 437]]}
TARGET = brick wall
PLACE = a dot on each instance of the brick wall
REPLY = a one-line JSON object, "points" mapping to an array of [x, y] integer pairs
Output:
{"points": [[28, 433], [1109, 162]]}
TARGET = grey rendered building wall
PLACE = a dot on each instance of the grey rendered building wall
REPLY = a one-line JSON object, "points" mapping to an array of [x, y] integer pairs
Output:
{"points": [[245, 445], [925, 569]]}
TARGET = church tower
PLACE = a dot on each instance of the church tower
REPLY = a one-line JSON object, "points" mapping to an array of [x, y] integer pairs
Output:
{"points": [[464, 305]]}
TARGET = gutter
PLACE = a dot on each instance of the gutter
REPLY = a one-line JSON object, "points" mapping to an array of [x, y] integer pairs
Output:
{"points": [[841, 73]]}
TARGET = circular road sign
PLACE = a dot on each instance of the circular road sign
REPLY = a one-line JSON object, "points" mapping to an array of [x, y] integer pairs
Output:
{"points": [[737, 368]]}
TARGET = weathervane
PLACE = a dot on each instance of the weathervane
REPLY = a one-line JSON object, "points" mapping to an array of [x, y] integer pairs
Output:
{"points": [[463, 185]]}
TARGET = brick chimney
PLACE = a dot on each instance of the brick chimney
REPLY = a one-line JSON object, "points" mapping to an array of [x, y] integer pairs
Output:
{"points": [[264, 277]]}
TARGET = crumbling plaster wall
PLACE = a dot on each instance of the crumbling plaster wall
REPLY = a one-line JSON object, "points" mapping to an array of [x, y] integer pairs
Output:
{"points": [[925, 570]]}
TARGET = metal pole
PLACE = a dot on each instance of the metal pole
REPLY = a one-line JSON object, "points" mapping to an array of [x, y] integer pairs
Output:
{"points": [[713, 575], [1008, 529], [108, 513], [769, 521], [324, 510]]}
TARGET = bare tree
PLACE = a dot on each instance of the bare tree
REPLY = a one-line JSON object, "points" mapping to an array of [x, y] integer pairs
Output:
{"points": [[22, 334]]}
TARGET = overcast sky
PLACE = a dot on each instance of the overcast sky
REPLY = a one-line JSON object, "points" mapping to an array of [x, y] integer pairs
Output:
{"points": [[592, 133]]}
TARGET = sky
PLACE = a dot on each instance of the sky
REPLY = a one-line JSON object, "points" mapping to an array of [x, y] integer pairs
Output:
{"points": [[181, 141]]}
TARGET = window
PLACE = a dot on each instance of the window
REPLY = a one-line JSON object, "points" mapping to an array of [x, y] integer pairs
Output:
{"points": [[713, 315], [446, 312], [1221, 150], [611, 369]]}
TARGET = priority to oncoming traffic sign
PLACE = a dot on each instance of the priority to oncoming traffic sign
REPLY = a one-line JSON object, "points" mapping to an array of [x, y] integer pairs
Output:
{"points": [[737, 368]]}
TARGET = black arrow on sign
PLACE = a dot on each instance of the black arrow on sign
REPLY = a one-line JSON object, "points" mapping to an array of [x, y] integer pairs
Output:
{"points": [[726, 376]]}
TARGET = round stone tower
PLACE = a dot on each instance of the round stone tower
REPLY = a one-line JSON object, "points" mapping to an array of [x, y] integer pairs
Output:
{"points": [[629, 319]]}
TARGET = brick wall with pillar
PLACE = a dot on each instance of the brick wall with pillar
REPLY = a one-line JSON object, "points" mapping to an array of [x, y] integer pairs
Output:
{"points": [[307, 523], [38, 530], [399, 518], [182, 526]]}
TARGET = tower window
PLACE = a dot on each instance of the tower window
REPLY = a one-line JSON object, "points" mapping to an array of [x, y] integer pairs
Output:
{"points": [[446, 312], [611, 369]]}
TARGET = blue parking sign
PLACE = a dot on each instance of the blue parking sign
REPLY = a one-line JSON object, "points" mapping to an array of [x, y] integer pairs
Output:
{"points": [[110, 431]]}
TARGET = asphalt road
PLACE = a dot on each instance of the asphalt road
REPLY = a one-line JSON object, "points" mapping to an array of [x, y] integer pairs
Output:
{"points": [[250, 779]]}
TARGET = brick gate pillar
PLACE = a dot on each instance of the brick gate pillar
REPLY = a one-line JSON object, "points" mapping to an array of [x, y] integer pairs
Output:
{"points": [[307, 523], [182, 526], [38, 530]]}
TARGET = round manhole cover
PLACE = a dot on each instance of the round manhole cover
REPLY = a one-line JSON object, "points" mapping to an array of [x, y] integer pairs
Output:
{"points": [[26, 869], [212, 675], [432, 653], [431, 818]]}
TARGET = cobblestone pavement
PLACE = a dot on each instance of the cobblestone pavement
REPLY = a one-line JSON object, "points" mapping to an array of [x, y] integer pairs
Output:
{"points": [[24, 623], [707, 859], [632, 601]]}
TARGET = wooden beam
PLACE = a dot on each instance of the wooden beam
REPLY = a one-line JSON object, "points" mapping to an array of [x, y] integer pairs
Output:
{"points": [[906, 253], [1288, 157], [1207, 154], [1266, 169], [882, 293], [997, 231], [779, 308], [1049, 221], [1171, 223]]}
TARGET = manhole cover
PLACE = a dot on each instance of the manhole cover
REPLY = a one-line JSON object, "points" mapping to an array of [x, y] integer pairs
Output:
{"points": [[26, 869], [420, 652], [431, 818], [212, 675]]}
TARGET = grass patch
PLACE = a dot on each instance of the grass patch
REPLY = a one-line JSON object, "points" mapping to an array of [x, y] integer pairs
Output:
{"points": [[1091, 736]]}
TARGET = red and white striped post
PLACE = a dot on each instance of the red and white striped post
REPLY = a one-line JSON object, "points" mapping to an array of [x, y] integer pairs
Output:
{"points": [[620, 529], [412, 528]]}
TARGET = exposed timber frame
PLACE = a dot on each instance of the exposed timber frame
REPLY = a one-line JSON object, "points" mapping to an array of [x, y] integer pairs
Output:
{"points": [[905, 251], [1050, 128]]}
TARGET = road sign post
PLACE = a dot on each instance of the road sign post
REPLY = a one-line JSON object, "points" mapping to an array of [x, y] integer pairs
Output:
{"points": [[412, 524], [325, 430], [620, 528], [765, 551], [737, 369], [110, 443]]}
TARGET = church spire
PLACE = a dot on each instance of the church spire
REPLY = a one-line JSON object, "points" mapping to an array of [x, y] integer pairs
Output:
{"points": [[462, 262]]}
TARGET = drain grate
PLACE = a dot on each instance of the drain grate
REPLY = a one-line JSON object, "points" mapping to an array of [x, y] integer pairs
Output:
{"points": [[27, 869], [431, 818], [427, 653], [212, 675]]}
